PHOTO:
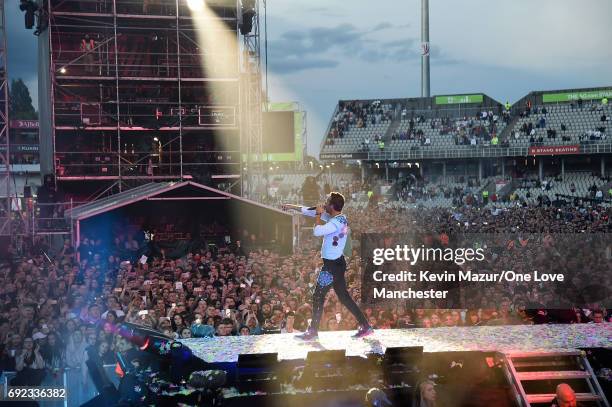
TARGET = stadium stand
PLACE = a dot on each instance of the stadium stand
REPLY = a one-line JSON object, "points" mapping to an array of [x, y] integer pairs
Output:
{"points": [[564, 123], [358, 123], [399, 126], [447, 132]]}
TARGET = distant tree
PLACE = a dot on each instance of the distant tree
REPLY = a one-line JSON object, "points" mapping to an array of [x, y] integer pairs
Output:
{"points": [[20, 101]]}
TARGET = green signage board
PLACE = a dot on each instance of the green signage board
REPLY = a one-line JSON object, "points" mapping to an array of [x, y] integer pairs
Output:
{"points": [[569, 96], [458, 99]]}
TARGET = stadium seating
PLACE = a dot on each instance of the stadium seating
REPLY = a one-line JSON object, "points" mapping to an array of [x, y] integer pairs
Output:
{"points": [[353, 136], [433, 129], [457, 128], [579, 124], [383, 117]]}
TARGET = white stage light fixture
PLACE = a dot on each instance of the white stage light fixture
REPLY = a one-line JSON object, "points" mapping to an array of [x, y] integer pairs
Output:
{"points": [[195, 5]]}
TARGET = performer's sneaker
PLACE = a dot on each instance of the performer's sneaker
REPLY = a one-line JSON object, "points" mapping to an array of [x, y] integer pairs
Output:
{"points": [[308, 335], [362, 332]]}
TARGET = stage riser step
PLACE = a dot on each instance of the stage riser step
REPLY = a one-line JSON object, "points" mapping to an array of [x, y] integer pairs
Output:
{"points": [[533, 355], [548, 398], [549, 363], [553, 375], [532, 373]]}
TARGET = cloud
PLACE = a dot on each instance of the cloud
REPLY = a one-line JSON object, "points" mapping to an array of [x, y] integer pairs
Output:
{"points": [[325, 11], [383, 26], [542, 36], [327, 47], [288, 66], [22, 50], [505, 50], [439, 57]]}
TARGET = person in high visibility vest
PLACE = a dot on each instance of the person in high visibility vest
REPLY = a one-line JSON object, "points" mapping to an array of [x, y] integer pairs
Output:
{"points": [[604, 101], [494, 140], [381, 145], [508, 106], [485, 197], [370, 194]]}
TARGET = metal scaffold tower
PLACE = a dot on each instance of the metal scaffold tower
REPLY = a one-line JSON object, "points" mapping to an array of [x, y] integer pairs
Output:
{"points": [[5, 167], [143, 92], [251, 96]]}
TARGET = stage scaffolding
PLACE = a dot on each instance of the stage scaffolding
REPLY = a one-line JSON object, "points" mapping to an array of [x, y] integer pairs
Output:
{"points": [[132, 102], [252, 101], [5, 166]]}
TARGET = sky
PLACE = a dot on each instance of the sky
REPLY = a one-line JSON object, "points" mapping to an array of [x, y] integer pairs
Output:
{"points": [[321, 51], [22, 49]]}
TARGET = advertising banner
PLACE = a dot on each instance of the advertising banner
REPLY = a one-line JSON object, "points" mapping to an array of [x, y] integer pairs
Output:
{"points": [[572, 96], [554, 150], [343, 156], [458, 99], [24, 124]]}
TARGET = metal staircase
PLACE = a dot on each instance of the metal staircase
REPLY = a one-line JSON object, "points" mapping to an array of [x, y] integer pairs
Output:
{"points": [[535, 376]]}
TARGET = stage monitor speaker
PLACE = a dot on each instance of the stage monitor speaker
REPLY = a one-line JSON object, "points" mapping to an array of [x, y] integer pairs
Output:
{"points": [[326, 357], [326, 370], [404, 355], [257, 360], [402, 364], [258, 372]]}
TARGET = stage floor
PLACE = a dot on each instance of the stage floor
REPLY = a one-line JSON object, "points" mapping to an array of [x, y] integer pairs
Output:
{"points": [[507, 339]]}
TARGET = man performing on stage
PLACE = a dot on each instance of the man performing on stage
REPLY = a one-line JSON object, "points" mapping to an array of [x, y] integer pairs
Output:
{"points": [[335, 233]]}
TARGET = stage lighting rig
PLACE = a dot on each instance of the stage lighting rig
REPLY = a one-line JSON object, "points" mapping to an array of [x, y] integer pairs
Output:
{"points": [[34, 14], [195, 5], [30, 7], [248, 12]]}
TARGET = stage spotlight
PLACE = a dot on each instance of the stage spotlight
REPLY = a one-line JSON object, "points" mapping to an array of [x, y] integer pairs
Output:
{"points": [[62, 70], [195, 5], [248, 12], [30, 9]]}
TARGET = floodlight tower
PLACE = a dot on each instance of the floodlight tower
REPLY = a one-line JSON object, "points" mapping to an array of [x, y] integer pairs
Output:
{"points": [[425, 48]]}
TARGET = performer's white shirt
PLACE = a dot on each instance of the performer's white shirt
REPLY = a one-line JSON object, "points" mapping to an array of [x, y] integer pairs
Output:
{"points": [[336, 229]]}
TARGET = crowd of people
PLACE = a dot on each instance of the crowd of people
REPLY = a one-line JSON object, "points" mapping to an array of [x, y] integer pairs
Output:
{"points": [[360, 115], [59, 307]]}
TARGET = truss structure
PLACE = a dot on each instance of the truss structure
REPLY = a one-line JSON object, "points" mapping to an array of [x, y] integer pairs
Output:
{"points": [[5, 165], [132, 101], [252, 103]]}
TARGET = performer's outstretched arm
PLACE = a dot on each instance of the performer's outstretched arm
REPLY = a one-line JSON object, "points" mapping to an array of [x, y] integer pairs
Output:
{"points": [[306, 211]]}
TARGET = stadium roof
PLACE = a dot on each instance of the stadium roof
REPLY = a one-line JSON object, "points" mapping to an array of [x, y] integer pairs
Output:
{"points": [[160, 191]]}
